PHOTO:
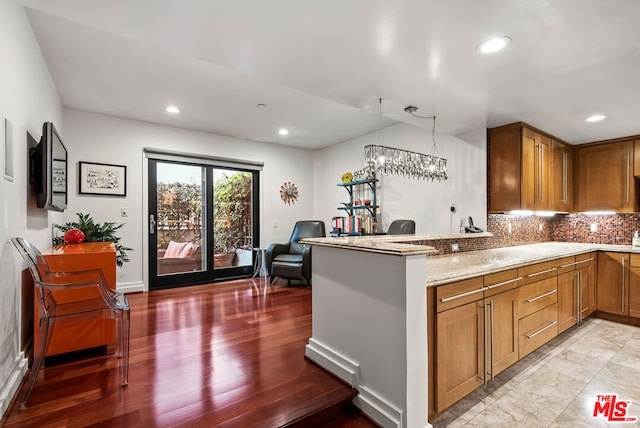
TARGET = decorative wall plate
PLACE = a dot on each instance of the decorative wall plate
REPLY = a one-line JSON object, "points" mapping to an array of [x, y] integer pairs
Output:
{"points": [[289, 193]]}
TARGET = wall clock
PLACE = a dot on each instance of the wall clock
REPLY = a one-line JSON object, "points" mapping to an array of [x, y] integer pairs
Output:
{"points": [[289, 193]]}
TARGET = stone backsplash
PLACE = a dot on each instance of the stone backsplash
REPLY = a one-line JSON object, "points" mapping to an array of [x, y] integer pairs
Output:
{"points": [[611, 229]]}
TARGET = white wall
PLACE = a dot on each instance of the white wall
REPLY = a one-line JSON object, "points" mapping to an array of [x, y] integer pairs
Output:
{"points": [[28, 98], [428, 203], [97, 138]]}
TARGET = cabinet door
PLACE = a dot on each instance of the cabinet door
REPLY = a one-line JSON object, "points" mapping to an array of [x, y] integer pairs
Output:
{"points": [[613, 283], [605, 177], [561, 177], [502, 331], [567, 300], [536, 149], [634, 292], [587, 279], [460, 360]]}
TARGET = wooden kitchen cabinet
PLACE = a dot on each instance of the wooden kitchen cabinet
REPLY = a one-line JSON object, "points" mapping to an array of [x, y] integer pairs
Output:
{"points": [[634, 286], [567, 300], [561, 179], [586, 266], [604, 176], [576, 290], [502, 330], [519, 169], [460, 359], [613, 283], [476, 334]]}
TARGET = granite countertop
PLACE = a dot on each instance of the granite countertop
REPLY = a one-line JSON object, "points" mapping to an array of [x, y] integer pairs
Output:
{"points": [[399, 245], [456, 267]]}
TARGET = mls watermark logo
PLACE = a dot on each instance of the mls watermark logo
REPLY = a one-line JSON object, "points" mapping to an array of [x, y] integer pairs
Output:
{"points": [[612, 409]]}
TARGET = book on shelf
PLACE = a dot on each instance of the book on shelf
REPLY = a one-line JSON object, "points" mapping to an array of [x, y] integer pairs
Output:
{"points": [[354, 224]]}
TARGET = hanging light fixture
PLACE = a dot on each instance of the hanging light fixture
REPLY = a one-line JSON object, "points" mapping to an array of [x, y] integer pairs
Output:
{"points": [[380, 159]]}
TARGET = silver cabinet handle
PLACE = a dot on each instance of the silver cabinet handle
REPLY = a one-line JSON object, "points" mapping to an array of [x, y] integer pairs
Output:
{"points": [[627, 176], [622, 288], [548, 293], [491, 339], [577, 263], [531, 336], [489, 287], [457, 296], [580, 298], [152, 224], [565, 173], [484, 337], [529, 275]]}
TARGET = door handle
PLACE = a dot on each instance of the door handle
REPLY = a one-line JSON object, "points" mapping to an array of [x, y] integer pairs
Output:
{"points": [[152, 224]]}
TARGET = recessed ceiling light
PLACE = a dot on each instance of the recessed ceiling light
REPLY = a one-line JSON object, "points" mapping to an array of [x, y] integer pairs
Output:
{"points": [[595, 118], [283, 132], [493, 45], [262, 105], [172, 109]]}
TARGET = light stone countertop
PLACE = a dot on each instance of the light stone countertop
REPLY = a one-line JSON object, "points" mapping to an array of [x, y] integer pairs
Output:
{"points": [[398, 245], [456, 267]]}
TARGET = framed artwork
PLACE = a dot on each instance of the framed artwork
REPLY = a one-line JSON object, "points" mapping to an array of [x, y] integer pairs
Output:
{"points": [[7, 136], [102, 179]]}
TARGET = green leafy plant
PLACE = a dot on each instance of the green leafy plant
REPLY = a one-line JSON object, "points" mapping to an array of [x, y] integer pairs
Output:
{"points": [[95, 232], [232, 211]]}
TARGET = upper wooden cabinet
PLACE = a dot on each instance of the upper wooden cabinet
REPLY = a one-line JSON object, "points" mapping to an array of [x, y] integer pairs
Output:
{"points": [[561, 177], [528, 170], [605, 177]]}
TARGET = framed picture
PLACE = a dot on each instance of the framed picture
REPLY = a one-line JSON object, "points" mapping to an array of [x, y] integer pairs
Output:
{"points": [[102, 179], [7, 136]]}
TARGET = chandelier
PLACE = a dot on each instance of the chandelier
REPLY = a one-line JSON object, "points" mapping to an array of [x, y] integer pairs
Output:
{"points": [[381, 159]]}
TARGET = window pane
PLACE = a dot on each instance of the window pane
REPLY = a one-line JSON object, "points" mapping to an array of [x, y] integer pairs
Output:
{"points": [[232, 218], [180, 210]]}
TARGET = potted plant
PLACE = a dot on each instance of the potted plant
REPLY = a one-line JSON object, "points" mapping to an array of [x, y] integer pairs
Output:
{"points": [[95, 232]]}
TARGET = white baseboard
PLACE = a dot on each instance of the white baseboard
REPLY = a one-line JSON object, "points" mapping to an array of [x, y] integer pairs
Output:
{"points": [[130, 287], [12, 383], [335, 363], [378, 409]]}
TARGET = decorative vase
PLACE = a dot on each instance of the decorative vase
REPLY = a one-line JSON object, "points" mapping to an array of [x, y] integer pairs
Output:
{"points": [[73, 236]]}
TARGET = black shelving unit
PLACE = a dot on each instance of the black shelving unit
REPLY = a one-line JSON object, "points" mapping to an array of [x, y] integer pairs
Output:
{"points": [[356, 207]]}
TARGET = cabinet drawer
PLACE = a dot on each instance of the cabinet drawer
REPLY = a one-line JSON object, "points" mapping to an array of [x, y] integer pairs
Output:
{"points": [[458, 293], [538, 271], [635, 260], [535, 296], [537, 329], [566, 264], [501, 281]]}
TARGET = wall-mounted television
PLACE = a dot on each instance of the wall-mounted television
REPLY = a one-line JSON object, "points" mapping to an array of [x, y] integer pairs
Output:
{"points": [[48, 170]]}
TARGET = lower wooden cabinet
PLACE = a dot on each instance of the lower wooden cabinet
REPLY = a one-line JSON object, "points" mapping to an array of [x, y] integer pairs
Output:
{"points": [[537, 329], [568, 295], [475, 341], [460, 353], [613, 283], [634, 286], [576, 291]]}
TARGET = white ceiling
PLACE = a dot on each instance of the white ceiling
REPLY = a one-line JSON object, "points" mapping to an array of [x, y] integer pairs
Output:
{"points": [[321, 66]]}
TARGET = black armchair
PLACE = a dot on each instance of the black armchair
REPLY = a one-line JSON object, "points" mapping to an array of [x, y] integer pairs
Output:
{"points": [[293, 259], [402, 227]]}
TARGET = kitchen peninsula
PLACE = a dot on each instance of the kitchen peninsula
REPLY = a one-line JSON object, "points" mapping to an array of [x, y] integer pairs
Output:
{"points": [[370, 310]]}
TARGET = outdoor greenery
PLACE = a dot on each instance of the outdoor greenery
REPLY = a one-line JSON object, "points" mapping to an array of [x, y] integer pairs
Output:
{"points": [[95, 232], [180, 212], [232, 211]]}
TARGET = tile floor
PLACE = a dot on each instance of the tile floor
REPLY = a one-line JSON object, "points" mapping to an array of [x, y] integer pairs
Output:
{"points": [[556, 385]]}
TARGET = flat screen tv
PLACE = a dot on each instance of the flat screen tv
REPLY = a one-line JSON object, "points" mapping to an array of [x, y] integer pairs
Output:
{"points": [[48, 170]]}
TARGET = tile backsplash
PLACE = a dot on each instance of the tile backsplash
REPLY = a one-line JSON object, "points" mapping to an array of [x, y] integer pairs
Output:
{"points": [[610, 229]]}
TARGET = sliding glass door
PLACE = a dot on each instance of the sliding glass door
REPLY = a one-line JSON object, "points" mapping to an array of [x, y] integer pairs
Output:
{"points": [[202, 223]]}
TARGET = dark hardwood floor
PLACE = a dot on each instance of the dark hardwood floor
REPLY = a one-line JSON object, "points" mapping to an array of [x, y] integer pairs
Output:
{"points": [[224, 355]]}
